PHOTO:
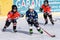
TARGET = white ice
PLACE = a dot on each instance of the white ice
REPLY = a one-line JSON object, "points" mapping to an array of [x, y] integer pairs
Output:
{"points": [[23, 31]]}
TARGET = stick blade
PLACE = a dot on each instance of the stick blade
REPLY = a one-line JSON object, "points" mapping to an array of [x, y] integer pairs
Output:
{"points": [[53, 36]]}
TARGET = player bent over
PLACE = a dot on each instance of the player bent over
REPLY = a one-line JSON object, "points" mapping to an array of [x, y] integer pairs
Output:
{"points": [[32, 19], [12, 16], [46, 9]]}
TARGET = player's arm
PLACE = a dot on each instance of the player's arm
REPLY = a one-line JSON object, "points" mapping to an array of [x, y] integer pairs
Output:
{"points": [[17, 15], [9, 15], [41, 8], [36, 15], [49, 9], [27, 13]]}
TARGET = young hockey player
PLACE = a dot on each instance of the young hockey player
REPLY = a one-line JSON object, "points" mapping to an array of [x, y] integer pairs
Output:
{"points": [[32, 19], [47, 12], [12, 16]]}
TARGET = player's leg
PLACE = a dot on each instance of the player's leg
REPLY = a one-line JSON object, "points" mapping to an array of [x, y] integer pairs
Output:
{"points": [[30, 25], [51, 20], [45, 17], [36, 24], [6, 25], [14, 25], [30, 30]]}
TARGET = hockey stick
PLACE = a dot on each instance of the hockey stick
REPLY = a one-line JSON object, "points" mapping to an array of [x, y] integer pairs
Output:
{"points": [[56, 19], [48, 33]]}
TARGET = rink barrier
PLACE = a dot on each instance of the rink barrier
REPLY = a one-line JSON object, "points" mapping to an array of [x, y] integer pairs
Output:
{"points": [[40, 15]]}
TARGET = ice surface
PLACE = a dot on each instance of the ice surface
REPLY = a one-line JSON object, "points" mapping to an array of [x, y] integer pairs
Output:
{"points": [[23, 31]]}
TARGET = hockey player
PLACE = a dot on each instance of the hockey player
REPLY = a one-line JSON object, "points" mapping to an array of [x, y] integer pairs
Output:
{"points": [[12, 16], [47, 12], [32, 19]]}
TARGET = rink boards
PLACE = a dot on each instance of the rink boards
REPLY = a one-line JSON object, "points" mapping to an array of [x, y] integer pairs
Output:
{"points": [[40, 15], [5, 6]]}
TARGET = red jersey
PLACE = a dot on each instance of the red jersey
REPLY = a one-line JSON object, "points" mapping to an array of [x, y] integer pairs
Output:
{"points": [[46, 8], [12, 15]]}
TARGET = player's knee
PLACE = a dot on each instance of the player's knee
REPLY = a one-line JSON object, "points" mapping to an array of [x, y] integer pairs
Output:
{"points": [[30, 24], [38, 28], [36, 25], [7, 24], [14, 24]]}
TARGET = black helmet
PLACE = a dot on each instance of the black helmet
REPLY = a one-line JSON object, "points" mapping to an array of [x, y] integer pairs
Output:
{"points": [[46, 1], [14, 7]]}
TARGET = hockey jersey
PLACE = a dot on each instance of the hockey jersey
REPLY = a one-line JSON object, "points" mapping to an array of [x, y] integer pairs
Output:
{"points": [[12, 16], [46, 8], [33, 15]]}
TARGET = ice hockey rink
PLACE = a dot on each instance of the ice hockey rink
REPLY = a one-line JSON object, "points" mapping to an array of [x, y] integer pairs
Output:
{"points": [[23, 29]]}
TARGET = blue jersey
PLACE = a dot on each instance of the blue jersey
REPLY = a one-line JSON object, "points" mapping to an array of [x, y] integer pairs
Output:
{"points": [[33, 15]]}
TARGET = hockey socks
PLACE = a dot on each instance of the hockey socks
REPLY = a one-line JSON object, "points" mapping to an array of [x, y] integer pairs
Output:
{"points": [[14, 29], [46, 22], [31, 31]]}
